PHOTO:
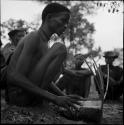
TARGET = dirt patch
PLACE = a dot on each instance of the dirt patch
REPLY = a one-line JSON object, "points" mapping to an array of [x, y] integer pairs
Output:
{"points": [[48, 114], [113, 112]]}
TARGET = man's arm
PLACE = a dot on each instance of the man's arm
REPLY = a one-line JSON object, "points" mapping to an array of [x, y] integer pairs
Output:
{"points": [[68, 71], [85, 72], [77, 72], [56, 90], [17, 75], [112, 81]]}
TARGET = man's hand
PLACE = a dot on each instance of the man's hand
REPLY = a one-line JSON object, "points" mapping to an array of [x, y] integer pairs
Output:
{"points": [[68, 101], [111, 80], [83, 72]]}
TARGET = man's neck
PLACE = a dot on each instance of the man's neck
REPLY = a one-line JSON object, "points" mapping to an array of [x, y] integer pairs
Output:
{"points": [[110, 64], [44, 33]]}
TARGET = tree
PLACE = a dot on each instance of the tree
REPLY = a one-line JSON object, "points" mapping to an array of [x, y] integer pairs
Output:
{"points": [[80, 30], [13, 24], [119, 60]]}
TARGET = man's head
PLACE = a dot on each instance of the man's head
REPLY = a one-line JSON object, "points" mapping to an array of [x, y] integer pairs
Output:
{"points": [[110, 57], [16, 34], [78, 60], [56, 16]]}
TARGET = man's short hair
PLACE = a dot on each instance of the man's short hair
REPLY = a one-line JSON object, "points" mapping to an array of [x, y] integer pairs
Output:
{"points": [[13, 32], [53, 8]]}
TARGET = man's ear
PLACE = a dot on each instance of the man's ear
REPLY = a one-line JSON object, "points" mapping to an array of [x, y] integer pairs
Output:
{"points": [[49, 16]]}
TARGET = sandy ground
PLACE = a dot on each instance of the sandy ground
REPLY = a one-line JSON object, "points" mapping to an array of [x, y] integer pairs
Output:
{"points": [[48, 114]]}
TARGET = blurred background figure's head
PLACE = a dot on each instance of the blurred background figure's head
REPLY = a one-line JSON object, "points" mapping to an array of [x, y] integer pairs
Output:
{"points": [[110, 56], [16, 34], [78, 60]]}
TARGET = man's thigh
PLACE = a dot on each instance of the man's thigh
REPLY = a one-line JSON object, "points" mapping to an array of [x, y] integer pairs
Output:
{"points": [[37, 74]]}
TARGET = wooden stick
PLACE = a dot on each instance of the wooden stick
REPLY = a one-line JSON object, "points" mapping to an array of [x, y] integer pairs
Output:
{"points": [[101, 76], [97, 80], [88, 65], [107, 82], [101, 80]]}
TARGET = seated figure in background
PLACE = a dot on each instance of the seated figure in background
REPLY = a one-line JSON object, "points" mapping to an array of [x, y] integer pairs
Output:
{"points": [[15, 36], [7, 51], [77, 80], [116, 85]]}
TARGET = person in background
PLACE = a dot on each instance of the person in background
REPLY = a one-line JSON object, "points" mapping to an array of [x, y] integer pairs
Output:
{"points": [[77, 80], [15, 36], [7, 52], [116, 86]]}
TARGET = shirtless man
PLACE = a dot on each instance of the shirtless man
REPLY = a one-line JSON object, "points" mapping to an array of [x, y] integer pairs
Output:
{"points": [[33, 66]]}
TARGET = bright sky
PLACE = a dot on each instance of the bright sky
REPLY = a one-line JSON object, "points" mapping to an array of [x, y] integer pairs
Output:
{"points": [[109, 27]]}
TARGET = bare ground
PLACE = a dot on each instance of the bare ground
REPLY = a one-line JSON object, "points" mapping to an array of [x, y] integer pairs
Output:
{"points": [[48, 114]]}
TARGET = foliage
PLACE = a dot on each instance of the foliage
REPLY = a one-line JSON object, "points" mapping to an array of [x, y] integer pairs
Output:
{"points": [[11, 24], [80, 30], [119, 60]]}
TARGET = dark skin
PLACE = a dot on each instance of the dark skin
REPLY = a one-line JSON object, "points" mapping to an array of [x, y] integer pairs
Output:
{"points": [[110, 61], [8, 51], [70, 80], [78, 63], [34, 65], [18, 36]]}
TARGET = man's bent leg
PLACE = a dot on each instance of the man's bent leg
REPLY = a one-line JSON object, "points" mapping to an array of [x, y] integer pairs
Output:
{"points": [[48, 67]]}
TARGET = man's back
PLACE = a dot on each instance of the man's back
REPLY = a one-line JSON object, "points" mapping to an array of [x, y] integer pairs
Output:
{"points": [[26, 54]]}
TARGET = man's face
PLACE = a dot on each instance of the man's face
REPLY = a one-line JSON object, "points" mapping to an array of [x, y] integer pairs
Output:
{"points": [[19, 35], [59, 22], [79, 61], [109, 60]]}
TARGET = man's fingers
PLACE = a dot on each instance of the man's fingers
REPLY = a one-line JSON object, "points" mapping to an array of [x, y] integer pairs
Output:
{"points": [[71, 105], [76, 97], [67, 106], [74, 101]]}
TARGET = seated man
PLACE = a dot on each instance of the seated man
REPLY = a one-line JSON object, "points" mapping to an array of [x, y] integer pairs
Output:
{"points": [[116, 86], [77, 80], [33, 65]]}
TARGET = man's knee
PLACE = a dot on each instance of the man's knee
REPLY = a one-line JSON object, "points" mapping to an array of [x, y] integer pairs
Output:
{"points": [[59, 49]]}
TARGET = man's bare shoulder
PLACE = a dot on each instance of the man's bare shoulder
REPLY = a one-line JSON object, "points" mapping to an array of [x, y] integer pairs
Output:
{"points": [[30, 39], [30, 36]]}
